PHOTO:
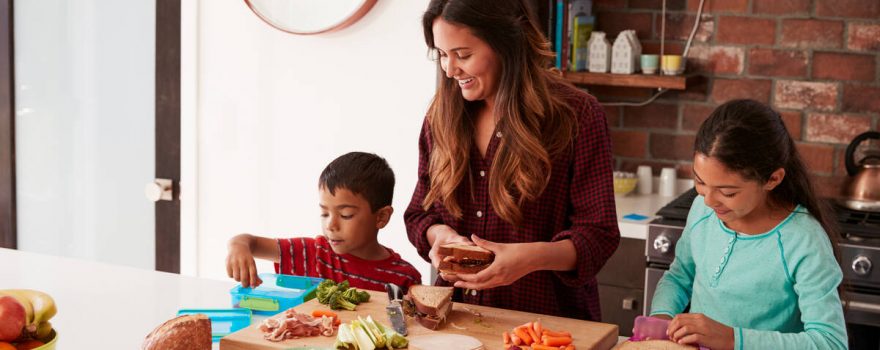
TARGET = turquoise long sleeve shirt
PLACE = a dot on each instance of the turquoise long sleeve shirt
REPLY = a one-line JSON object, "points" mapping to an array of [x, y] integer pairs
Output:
{"points": [[777, 290]]}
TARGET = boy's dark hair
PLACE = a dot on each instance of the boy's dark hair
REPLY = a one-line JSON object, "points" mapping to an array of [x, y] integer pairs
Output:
{"points": [[750, 138], [364, 174]]}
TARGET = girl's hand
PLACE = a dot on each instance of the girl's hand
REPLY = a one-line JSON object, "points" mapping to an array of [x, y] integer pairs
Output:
{"points": [[240, 265], [697, 329], [512, 262], [444, 234]]}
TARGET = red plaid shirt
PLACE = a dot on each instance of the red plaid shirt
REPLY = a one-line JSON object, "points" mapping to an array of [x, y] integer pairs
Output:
{"points": [[313, 257], [578, 205]]}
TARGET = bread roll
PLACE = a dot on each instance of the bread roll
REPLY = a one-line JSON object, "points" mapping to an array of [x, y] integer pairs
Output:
{"points": [[653, 345], [187, 332]]}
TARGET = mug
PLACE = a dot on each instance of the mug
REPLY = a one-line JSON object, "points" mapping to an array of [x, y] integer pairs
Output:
{"points": [[671, 64], [650, 63]]}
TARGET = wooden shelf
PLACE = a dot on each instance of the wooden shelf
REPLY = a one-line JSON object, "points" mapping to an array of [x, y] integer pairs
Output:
{"points": [[672, 82]]}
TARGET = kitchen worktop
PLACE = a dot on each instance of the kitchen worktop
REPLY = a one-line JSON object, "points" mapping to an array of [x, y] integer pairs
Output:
{"points": [[103, 306], [645, 205]]}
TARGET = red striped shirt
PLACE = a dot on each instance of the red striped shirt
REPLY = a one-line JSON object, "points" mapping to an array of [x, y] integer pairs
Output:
{"points": [[313, 257]]}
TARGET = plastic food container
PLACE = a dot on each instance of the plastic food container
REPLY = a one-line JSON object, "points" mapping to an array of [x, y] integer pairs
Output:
{"points": [[223, 321], [276, 294]]}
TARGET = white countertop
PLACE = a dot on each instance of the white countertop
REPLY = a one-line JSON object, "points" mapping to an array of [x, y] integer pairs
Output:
{"points": [[645, 205], [108, 306]]}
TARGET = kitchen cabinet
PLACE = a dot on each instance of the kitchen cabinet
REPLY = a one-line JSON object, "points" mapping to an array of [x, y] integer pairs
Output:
{"points": [[621, 285]]}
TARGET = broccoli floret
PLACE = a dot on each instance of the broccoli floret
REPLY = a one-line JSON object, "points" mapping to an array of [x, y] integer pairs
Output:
{"points": [[352, 296], [337, 301], [343, 286], [363, 296], [325, 289]]}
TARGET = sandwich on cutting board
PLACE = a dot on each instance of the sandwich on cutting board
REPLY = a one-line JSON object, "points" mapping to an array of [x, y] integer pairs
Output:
{"points": [[463, 258], [430, 305]]}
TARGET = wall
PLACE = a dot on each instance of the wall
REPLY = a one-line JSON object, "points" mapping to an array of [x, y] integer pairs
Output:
{"points": [[273, 109], [813, 60]]}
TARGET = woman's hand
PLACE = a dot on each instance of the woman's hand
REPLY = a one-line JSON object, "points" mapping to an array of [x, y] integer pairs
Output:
{"points": [[443, 234], [512, 262], [698, 329]]}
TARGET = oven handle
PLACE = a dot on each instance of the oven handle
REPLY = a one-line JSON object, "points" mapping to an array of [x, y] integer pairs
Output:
{"points": [[864, 307]]}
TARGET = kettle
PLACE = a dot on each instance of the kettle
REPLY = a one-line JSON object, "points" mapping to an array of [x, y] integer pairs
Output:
{"points": [[863, 191]]}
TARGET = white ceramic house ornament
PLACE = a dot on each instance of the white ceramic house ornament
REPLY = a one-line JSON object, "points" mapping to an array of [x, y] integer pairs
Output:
{"points": [[625, 53], [600, 53]]}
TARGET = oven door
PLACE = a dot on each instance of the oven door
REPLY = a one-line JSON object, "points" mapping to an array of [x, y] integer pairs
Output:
{"points": [[652, 277]]}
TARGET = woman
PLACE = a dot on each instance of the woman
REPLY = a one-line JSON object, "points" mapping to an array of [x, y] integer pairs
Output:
{"points": [[515, 160]]}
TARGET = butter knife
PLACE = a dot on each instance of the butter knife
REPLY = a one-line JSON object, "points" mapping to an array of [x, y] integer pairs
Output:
{"points": [[394, 309]]}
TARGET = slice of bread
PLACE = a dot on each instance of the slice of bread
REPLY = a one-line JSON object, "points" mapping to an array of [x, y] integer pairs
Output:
{"points": [[187, 332], [430, 300], [460, 251], [433, 322], [653, 345]]}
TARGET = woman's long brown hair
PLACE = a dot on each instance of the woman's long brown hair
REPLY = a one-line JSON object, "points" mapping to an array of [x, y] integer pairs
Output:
{"points": [[536, 123]]}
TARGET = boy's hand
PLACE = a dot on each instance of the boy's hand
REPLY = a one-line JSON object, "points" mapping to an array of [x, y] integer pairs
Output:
{"points": [[698, 329], [240, 265]]}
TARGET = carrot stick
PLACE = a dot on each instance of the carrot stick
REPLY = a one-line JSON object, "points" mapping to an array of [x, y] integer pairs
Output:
{"points": [[506, 339], [515, 340], [318, 313], [534, 336], [570, 347], [555, 341], [537, 346], [550, 333], [523, 334], [538, 327]]}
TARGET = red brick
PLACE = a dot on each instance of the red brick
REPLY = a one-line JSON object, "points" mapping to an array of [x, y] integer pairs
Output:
{"points": [[793, 94], [654, 115], [730, 89], [678, 147], [716, 59], [612, 23], [812, 33], [679, 26], [848, 8], [692, 116], [715, 6], [777, 63], [615, 93], [819, 158], [861, 99], [828, 186], [841, 66], [746, 30], [782, 7], [612, 114], [629, 143], [863, 37], [793, 121], [697, 90], [609, 4], [671, 5], [835, 128]]}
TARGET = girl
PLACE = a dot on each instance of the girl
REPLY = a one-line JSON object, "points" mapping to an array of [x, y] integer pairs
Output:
{"points": [[513, 159], [755, 261]]}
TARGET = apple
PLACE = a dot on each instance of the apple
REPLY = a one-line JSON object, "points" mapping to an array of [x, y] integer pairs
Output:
{"points": [[12, 318]]}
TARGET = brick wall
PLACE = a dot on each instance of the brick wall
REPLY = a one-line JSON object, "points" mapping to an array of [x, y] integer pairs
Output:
{"points": [[816, 61]]}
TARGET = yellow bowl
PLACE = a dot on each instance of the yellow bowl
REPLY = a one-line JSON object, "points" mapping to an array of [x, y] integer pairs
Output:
{"points": [[623, 186]]}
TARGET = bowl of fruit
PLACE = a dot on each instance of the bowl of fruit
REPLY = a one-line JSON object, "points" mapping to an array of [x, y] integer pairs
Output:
{"points": [[24, 320]]}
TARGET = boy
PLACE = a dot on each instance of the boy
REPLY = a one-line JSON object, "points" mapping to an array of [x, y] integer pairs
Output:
{"points": [[355, 199]]}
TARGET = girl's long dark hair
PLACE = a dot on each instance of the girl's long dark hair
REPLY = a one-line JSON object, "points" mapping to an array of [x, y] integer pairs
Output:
{"points": [[750, 138]]}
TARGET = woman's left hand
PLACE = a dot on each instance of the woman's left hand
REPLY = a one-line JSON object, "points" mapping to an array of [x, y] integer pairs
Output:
{"points": [[512, 262], [698, 329]]}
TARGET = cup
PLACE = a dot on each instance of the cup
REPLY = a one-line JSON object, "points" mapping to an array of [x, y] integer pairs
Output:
{"points": [[667, 182], [645, 175], [671, 64], [650, 63]]}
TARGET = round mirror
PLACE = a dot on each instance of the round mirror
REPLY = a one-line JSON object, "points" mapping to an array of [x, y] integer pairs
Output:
{"points": [[310, 16]]}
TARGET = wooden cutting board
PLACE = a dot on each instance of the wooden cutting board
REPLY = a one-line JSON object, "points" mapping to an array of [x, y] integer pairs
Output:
{"points": [[586, 334]]}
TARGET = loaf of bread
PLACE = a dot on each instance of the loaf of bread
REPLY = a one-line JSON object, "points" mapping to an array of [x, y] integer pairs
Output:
{"points": [[187, 332]]}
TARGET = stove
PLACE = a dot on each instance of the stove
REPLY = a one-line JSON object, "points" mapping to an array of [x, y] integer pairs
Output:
{"points": [[859, 249]]}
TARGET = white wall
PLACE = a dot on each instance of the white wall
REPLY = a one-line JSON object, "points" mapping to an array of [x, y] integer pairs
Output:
{"points": [[273, 109]]}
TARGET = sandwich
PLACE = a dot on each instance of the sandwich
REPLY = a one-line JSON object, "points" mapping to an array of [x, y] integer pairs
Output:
{"points": [[463, 258], [187, 332], [430, 305]]}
